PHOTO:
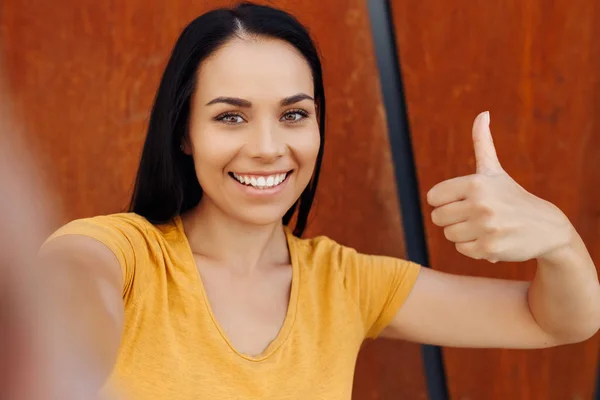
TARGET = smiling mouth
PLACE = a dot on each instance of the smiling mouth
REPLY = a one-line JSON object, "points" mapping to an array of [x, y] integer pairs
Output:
{"points": [[261, 181]]}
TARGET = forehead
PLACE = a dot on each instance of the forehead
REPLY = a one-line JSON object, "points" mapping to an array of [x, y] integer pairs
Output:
{"points": [[255, 69]]}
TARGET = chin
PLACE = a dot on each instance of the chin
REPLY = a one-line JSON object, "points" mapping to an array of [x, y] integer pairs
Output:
{"points": [[260, 217]]}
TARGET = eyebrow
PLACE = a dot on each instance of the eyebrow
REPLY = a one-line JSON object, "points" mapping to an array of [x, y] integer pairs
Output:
{"points": [[237, 102]]}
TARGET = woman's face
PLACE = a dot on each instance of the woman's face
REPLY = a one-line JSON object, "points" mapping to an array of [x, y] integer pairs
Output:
{"points": [[254, 134]]}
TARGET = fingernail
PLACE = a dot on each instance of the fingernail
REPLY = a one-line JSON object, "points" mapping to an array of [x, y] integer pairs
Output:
{"points": [[486, 117]]}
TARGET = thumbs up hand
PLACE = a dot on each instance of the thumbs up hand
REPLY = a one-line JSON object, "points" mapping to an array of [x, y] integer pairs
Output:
{"points": [[490, 216]]}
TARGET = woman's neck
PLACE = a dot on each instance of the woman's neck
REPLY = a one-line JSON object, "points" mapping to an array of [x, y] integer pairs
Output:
{"points": [[228, 241]]}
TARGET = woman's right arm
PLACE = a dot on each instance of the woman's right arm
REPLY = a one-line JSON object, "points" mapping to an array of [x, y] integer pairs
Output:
{"points": [[81, 294], [60, 321]]}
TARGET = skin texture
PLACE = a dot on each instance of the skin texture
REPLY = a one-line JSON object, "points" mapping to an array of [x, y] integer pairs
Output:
{"points": [[262, 137], [48, 345], [236, 233], [490, 217], [240, 249]]}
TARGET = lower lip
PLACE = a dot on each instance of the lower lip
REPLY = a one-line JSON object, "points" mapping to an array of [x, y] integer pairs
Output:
{"points": [[252, 191]]}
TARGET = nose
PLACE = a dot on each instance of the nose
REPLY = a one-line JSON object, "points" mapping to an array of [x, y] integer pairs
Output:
{"points": [[266, 143]]}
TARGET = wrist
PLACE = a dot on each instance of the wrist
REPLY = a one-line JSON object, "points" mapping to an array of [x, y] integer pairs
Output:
{"points": [[565, 252]]}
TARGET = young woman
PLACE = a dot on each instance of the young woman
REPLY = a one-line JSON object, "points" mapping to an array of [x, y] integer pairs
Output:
{"points": [[205, 290]]}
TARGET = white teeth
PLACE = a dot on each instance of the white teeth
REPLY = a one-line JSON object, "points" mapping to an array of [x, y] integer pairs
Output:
{"points": [[260, 182]]}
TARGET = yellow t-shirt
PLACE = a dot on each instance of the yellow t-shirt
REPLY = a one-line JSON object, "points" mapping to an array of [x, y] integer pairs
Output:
{"points": [[173, 349]]}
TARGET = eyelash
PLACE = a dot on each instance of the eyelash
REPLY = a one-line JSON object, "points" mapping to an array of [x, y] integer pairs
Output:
{"points": [[303, 113]]}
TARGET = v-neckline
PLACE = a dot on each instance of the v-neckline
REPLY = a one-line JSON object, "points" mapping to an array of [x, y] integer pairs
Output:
{"points": [[290, 316]]}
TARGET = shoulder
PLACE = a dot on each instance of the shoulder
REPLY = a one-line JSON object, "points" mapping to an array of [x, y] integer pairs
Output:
{"points": [[323, 250], [377, 285], [135, 242], [318, 249], [116, 219], [125, 231], [323, 245], [123, 223]]}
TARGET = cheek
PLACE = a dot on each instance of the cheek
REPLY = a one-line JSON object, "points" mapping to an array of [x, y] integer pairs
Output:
{"points": [[306, 149], [305, 152], [212, 152]]}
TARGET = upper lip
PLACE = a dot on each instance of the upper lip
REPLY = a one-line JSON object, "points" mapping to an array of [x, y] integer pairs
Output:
{"points": [[262, 173]]}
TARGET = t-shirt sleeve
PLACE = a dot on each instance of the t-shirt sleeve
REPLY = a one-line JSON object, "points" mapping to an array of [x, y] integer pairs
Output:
{"points": [[123, 235], [378, 285]]}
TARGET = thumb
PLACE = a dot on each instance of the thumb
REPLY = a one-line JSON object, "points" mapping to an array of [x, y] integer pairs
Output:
{"points": [[486, 159]]}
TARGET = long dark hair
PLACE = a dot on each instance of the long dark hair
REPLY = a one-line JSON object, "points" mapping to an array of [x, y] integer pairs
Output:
{"points": [[166, 184]]}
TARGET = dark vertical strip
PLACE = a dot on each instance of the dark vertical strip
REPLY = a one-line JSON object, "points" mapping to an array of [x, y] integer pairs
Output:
{"points": [[597, 390], [406, 176]]}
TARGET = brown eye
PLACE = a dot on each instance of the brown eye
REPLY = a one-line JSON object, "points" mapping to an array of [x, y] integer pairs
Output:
{"points": [[230, 118], [294, 116]]}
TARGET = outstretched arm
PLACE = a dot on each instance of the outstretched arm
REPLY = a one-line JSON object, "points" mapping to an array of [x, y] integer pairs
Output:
{"points": [[490, 217], [61, 313]]}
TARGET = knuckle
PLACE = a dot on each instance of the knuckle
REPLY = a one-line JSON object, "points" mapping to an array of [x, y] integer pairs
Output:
{"points": [[468, 250], [431, 195], [448, 234], [491, 249], [491, 229], [489, 225], [476, 183], [461, 248], [483, 206], [436, 217]]}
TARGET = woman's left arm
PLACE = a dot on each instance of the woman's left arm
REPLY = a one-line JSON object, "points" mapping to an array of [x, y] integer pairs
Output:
{"points": [[564, 296], [490, 217]]}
